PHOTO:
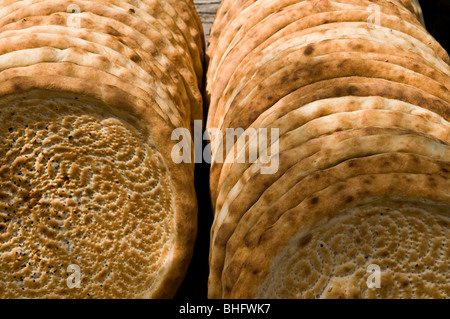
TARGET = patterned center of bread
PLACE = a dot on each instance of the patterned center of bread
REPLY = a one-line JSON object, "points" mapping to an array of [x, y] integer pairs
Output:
{"points": [[79, 186], [409, 242]]}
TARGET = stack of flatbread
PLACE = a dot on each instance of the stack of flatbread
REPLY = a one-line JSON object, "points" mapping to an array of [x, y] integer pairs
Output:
{"points": [[91, 203], [359, 203]]}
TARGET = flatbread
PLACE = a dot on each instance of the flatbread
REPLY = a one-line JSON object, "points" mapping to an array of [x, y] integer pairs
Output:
{"points": [[276, 56], [269, 12], [411, 63], [363, 114], [186, 11], [306, 130], [414, 6], [287, 22], [289, 16], [224, 14], [340, 87], [260, 98], [306, 37], [409, 245], [254, 222], [87, 176], [174, 57], [228, 10], [350, 193], [70, 110], [52, 185], [40, 35], [83, 73], [255, 191], [285, 123], [80, 57]]}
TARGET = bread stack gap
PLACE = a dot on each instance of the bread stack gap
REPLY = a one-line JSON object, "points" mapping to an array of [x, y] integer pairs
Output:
{"points": [[92, 204], [359, 205]]}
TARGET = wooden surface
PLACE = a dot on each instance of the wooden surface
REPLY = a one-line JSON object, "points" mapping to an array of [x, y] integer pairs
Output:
{"points": [[207, 10]]}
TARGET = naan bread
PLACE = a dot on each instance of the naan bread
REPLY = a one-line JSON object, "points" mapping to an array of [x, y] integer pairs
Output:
{"points": [[335, 261], [316, 209], [57, 35], [306, 14], [256, 192], [150, 35], [87, 178], [287, 22], [363, 151], [341, 87], [327, 108], [248, 103]]}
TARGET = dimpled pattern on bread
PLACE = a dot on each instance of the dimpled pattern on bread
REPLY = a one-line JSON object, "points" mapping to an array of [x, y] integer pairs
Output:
{"points": [[88, 187], [315, 265], [359, 91]]}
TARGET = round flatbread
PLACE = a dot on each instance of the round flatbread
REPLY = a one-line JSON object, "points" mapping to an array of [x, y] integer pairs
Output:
{"points": [[416, 188], [93, 204]]}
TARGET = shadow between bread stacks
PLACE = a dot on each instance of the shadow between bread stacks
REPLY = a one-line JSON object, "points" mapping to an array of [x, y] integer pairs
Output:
{"points": [[89, 101], [363, 179]]}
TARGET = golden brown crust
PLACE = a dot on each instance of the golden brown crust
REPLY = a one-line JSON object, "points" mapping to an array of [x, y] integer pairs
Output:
{"points": [[255, 193], [137, 71], [152, 36], [187, 12], [74, 61], [241, 90], [305, 71], [385, 186], [412, 27], [256, 39], [326, 109], [335, 259], [156, 14], [248, 19], [363, 113], [340, 87], [254, 223], [62, 201], [247, 189], [331, 48], [130, 54], [282, 14]]}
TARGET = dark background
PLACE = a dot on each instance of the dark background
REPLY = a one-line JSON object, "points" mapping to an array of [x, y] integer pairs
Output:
{"points": [[437, 20]]}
